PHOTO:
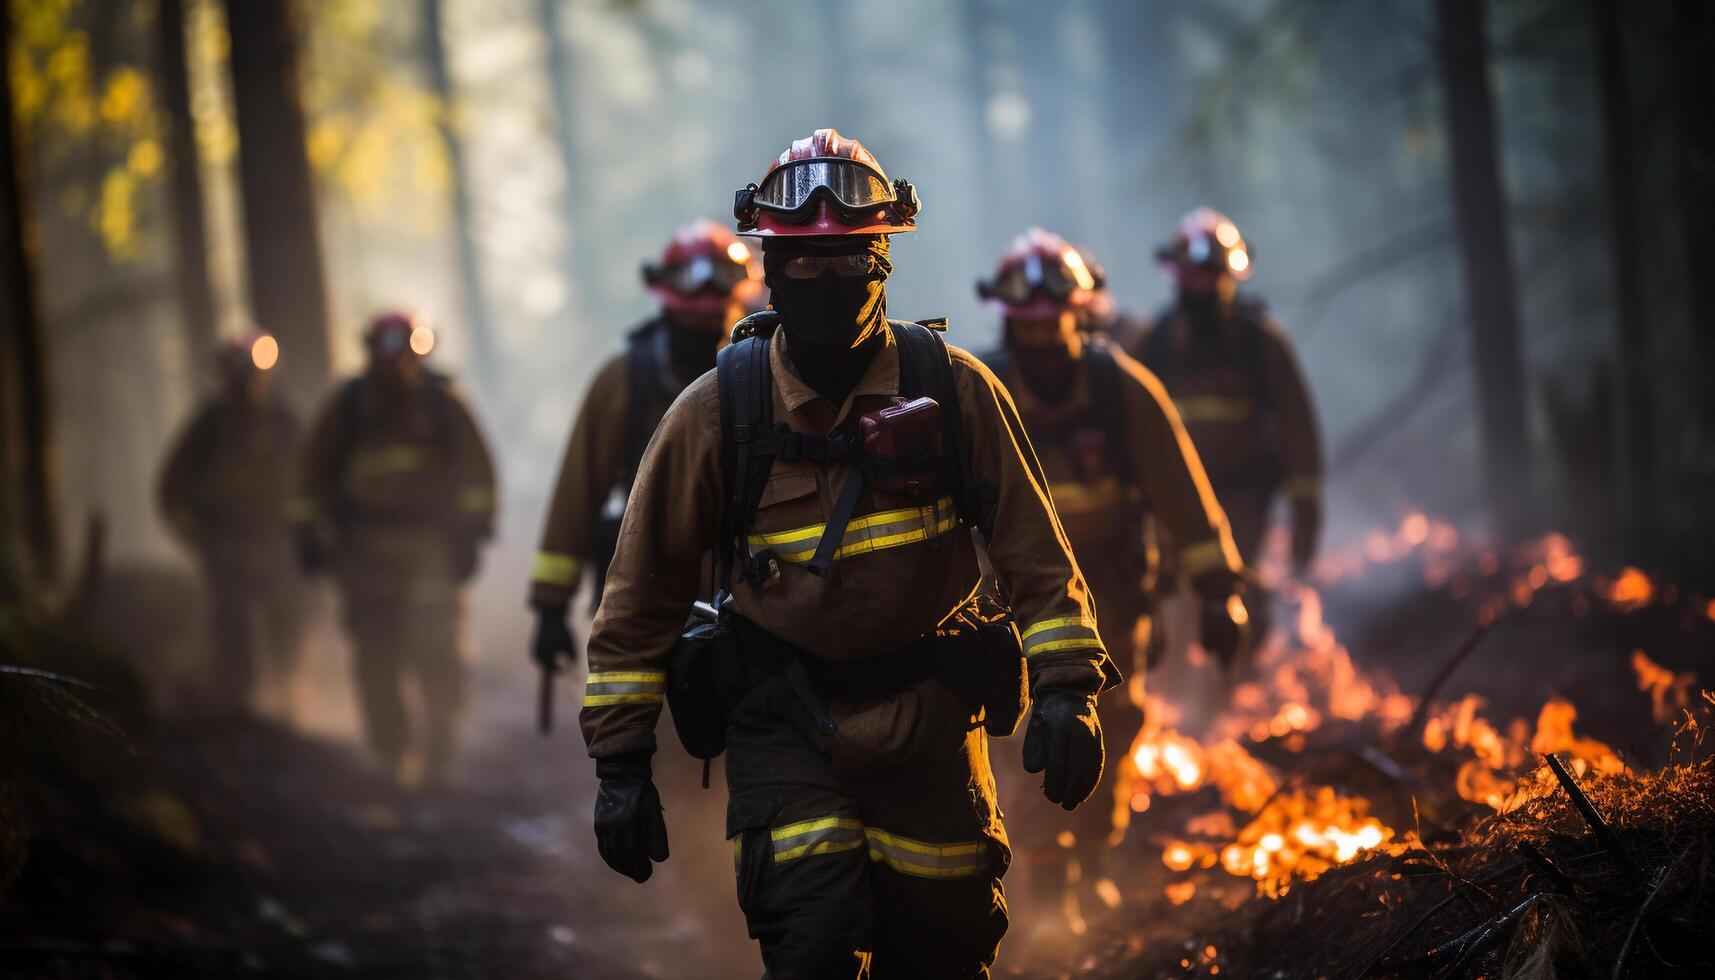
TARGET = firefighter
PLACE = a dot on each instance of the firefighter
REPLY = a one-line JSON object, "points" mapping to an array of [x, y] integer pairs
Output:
{"points": [[397, 496], [1115, 455], [861, 806], [705, 281], [1235, 379], [224, 493]]}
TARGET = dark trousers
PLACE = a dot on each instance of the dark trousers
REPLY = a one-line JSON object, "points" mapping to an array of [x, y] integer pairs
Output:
{"points": [[876, 852]]}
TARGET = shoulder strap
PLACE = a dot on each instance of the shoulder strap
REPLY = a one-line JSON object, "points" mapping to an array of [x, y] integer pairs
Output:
{"points": [[746, 391], [642, 386], [1108, 401], [926, 368]]}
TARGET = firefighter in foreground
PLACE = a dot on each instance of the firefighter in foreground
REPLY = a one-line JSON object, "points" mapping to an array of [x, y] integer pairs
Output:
{"points": [[224, 492], [1236, 382], [397, 498], [705, 281], [831, 463], [1115, 456]]}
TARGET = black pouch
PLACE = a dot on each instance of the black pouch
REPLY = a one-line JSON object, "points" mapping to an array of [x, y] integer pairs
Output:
{"points": [[706, 679], [991, 663]]}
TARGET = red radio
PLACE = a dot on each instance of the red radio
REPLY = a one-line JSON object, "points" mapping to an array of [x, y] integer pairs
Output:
{"points": [[902, 449]]}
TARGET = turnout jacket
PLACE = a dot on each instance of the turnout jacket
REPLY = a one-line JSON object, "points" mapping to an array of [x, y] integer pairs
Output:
{"points": [[1092, 496], [407, 457], [594, 473], [1244, 401], [903, 565], [228, 476]]}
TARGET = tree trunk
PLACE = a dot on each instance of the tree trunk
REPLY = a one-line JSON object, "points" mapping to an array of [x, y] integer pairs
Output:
{"points": [[190, 239], [288, 291], [485, 364], [26, 465], [592, 292], [1694, 38], [1623, 231], [1480, 211]]}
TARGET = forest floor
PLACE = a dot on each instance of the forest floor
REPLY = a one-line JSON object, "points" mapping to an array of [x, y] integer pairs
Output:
{"points": [[301, 860]]}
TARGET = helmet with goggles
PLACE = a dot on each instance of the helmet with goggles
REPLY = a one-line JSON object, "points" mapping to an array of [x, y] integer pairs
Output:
{"points": [[824, 186], [703, 269], [1040, 274], [394, 333], [1206, 245]]}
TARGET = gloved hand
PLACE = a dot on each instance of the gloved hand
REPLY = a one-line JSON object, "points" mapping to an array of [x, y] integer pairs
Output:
{"points": [[1224, 626], [1306, 530], [1064, 742], [554, 643], [312, 550], [629, 830]]}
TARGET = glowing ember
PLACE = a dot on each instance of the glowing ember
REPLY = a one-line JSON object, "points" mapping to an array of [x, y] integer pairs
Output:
{"points": [[1631, 591], [1669, 692], [1180, 892]]}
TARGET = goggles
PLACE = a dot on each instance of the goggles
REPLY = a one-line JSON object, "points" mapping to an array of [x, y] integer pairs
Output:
{"points": [[792, 186], [702, 272], [1057, 280], [858, 266]]}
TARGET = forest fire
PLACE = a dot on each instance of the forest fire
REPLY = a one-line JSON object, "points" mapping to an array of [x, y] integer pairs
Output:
{"points": [[1277, 830]]}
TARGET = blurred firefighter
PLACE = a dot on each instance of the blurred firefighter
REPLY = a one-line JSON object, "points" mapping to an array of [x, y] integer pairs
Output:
{"points": [[705, 281], [1115, 456], [1103, 316], [832, 462], [224, 492], [1235, 379], [396, 498]]}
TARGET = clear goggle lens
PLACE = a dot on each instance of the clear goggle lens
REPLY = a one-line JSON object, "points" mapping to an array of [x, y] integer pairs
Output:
{"points": [[853, 185]]}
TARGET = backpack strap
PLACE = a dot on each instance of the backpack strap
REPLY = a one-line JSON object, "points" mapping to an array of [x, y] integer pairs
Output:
{"points": [[926, 368], [746, 392], [643, 389]]}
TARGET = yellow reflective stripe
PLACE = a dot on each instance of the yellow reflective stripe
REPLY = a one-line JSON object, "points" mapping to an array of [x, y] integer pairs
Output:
{"points": [[554, 569], [1203, 556], [388, 460], [1085, 498], [923, 859], [1062, 633], [1214, 408], [825, 835], [1304, 486], [625, 687], [603, 700], [476, 499], [870, 533]]}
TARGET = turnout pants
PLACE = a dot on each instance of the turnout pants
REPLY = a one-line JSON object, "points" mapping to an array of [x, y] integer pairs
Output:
{"points": [[405, 612], [257, 607], [876, 852]]}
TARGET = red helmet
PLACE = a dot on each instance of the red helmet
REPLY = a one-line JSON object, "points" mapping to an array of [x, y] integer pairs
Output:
{"points": [[394, 332], [251, 352], [703, 270], [1205, 245], [823, 186], [1040, 274]]}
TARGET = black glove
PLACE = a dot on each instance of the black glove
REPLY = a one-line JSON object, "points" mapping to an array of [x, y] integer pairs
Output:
{"points": [[629, 830], [554, 643], [1064, 741], [1224, 627], [312, 551]]}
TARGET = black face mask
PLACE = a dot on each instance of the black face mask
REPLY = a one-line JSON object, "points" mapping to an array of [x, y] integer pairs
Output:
{"points": [[833, 324], [1205, 315]]}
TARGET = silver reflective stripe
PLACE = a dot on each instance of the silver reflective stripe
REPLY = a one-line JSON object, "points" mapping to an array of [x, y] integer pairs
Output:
{"points": [[823, 835], [923, 859]]}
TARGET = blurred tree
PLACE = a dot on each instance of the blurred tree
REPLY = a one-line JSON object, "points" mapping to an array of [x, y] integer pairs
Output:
{"points": [[196, 293], [26, 468], [288, 289], [591, 289], [475, 303], [1480, 209]]}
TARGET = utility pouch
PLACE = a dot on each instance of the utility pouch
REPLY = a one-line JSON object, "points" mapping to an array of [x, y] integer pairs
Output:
{"points": [[992, 667], [706, 679], [902, 447]]}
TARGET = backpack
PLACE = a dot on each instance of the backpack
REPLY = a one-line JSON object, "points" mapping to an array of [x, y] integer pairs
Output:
{"points": [[751, 441]]}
